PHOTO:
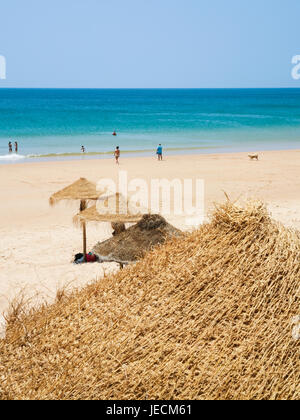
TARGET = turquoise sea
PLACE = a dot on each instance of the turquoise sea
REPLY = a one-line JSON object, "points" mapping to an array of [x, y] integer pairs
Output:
{"points": [[53, 124]]}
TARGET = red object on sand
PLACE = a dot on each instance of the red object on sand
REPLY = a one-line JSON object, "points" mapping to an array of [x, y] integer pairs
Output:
{"points": [[90, 258]]}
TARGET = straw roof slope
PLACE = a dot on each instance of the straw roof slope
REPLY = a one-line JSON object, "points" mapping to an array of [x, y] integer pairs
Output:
{"points": [[132, 245], [110, 208], [79, 190], [92, 215], [210, 315]]}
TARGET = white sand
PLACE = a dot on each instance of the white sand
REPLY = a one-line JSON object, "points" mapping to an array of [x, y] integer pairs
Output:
{"points": [[37, 243]]}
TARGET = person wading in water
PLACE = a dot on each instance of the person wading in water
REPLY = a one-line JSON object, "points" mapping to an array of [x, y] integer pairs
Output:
{"points": [[117, 155], [159, 152]]}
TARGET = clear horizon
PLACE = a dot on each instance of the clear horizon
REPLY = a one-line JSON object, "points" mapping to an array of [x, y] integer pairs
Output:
{"points": [[154, 88]]}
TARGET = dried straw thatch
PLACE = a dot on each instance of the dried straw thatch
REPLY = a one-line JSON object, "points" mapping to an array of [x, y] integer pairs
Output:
{"points": [[132, 244], [114, 208], [92, 215], [82, 189], [207, 316]]}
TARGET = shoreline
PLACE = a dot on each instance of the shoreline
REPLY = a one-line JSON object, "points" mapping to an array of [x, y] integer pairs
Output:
{"points": [[18, 159]]}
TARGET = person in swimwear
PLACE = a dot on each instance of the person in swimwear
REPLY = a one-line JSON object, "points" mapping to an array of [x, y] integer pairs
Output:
{"points": [[10, 147], [16, 146], [114, 133], [159, 152], [83, 149], [117, 155]]}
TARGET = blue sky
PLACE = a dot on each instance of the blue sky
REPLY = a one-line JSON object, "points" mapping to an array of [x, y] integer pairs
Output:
{"points": [[149, 43]]}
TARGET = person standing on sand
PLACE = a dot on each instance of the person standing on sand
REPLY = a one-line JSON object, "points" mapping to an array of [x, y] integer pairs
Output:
{"points": [[83, 149], [10, 147], [16, 146], [159, 152], [117, 155]]}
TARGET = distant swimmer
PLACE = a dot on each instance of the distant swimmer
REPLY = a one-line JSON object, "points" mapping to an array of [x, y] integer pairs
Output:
{"points": [[117, 155], [159, 152], [16, 147], [83, 149], [114, 133], [10, 147]]}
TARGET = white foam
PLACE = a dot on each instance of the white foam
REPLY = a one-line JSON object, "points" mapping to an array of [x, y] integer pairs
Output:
{"points": [[12, 157]]}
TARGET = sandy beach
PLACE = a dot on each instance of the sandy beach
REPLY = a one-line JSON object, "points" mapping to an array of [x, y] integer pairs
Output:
{"points": [[37, 242]]}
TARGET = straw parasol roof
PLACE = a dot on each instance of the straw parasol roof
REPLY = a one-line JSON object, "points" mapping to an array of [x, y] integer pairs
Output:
{"points": [[92, 215], [116, 209], [82, 190], [132, 244]]}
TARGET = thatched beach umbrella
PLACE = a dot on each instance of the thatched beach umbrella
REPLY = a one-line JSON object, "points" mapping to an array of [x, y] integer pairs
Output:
{"points": [[91, 214], [82, 190], [117, 210], [132, 244], [120, 212]]}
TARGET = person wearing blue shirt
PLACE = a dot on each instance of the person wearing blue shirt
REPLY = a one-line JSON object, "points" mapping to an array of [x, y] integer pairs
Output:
{"points": [[159, 152]]}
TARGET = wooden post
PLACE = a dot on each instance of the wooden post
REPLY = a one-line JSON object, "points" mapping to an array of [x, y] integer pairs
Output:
{"points": [[82, 208], [84, 238]]}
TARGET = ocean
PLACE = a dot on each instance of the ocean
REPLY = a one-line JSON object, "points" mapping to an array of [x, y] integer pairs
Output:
{"points": [[53, 124]]}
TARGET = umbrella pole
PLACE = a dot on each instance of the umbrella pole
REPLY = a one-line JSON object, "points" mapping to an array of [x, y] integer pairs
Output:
{"points": [[84, 238], [82, 208]]}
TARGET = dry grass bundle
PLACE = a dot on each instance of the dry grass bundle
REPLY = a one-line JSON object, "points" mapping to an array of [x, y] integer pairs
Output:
{"points": [[132, 244], [206, 316]]}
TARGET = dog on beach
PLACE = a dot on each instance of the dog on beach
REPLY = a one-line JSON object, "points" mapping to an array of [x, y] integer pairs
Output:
{"points": [[253, 156]]}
